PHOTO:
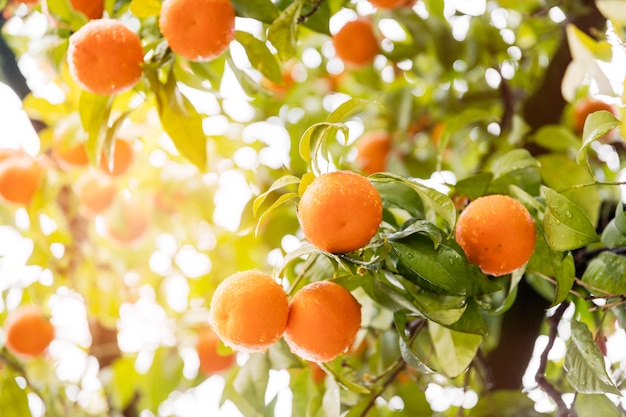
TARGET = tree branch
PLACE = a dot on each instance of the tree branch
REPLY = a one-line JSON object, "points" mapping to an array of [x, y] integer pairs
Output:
{"points": [[540, 378]]}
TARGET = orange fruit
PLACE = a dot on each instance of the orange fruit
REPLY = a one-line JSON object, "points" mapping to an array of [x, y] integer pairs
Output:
{"points": [[198, 30], [93, 9], [340, 211], [497, 233], [105, 57], [355, 43], [96, 192], [211, 361], [584, 108], [75, 153], [388, 4], [373, 150], [27, 331], [20, 176], [128, 222], [249, 311], [123, 156], [324, 318]]}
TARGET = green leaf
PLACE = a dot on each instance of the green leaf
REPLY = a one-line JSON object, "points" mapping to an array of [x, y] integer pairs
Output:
{"points": [[597, 125], [439, 202], [145, 8], [314, 137], [405, 343], [13, 400], [585, 364], [607, 272], [251, 380], [564, 273], [63, 11], [180, 120], [280, 201], [423, 227], [442, 269], [474, 186], [260, 56], [343, 381], [397, 195], [455, 350], [505, 403], [347, 110], [391, 298], [94, 113], [566, 226], [282, 182], [594, 405], [513, 161], [263, 10], [124, 382], [614, 234], [556, 138], [283, 32]]}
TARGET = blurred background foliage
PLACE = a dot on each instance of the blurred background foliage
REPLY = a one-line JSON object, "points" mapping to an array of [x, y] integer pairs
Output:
{"points": [[478, 97]]}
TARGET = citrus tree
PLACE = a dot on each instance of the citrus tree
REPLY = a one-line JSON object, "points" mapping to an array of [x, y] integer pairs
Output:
{"points": [[313, 208]]}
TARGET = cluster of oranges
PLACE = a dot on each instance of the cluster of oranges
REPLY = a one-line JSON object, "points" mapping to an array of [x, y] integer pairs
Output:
{"points": [[339, 212]]}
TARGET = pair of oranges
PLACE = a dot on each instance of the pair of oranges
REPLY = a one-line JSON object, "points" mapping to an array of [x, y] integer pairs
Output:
{"points": [[250, 312], [106, 57]]}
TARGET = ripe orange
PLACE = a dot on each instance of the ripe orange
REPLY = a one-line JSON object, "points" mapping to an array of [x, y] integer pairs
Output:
{"points": [[388, 4], [497, 233], [123, 156], [105, 57], [20, 175], [356, 43], [96, 192], [249, 311], [28, 332], [373, 150], [128, 222], [324, 318], [198, 30], [584, 108], [211, 361], [340, 211], [75, 153], [93, 9]]}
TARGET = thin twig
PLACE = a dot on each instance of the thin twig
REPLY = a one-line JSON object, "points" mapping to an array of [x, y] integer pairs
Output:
{"points": [[540, 378]]}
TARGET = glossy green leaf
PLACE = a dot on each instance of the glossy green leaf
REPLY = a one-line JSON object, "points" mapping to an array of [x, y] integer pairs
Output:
{"points": [[594, 405], [437, 201], [444, 269], [392, 298], [443, 309], [585, 364], [261, 58], [471, 321], [180, 120], [283, 32], [597, 125], [606, 272], [263, 10], [279, 202], [423, 227], [397, 195], [145, 8], [455, 350], [63, 11], [566, 226]]}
